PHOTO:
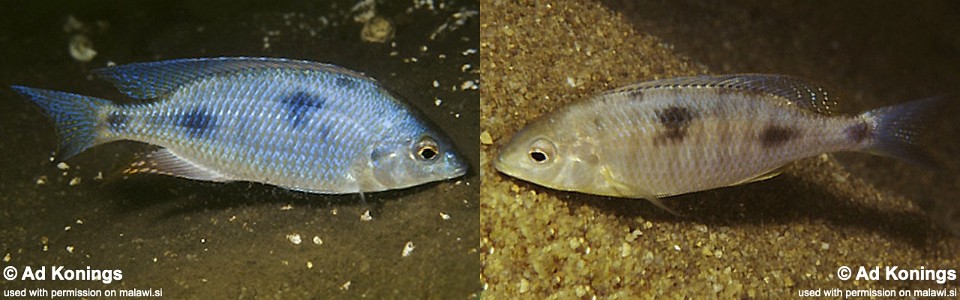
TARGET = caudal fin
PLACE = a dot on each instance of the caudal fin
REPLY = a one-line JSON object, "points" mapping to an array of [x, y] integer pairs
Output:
{"points": [[898, 129], [75, 117]]}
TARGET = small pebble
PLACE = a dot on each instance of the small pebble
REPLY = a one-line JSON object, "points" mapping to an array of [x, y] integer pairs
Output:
{"points": [[317, 240], [366, 216], [294, 238], [839, 177], [469, 85], [407, 249], [81, 48], [485, 138], [524, 285], [625, 249], [377, 30]]}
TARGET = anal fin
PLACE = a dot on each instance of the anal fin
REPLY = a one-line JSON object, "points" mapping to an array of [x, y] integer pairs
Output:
{"points": [[164, 162]]}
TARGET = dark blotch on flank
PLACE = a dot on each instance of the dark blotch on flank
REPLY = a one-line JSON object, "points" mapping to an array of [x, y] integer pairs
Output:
{"points": [[116, 121], [776, 135], [299, 104], [675, 121], [343, 82], [197, 122], [858, 132]]}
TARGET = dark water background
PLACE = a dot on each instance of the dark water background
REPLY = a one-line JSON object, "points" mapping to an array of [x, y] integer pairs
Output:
{"points": [[201, 240]]}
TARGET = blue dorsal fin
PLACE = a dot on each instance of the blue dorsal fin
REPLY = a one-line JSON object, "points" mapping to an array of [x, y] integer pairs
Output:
{"points": [[804, 94], [153, 79]]}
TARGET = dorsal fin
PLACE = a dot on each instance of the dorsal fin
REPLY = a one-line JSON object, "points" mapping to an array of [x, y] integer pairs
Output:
{"points": [[153, 79], [810, 96], [164, 162]]}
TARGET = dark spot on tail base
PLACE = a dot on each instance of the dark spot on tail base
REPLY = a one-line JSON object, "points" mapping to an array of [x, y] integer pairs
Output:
{"points": [[777, 135], [299, 104], [675, 121], [858, 132], [116, 121], [197, 122]]}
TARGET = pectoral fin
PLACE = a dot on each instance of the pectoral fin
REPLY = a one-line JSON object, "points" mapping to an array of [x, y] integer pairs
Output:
{"points": [[629, 191], [761, 177]]}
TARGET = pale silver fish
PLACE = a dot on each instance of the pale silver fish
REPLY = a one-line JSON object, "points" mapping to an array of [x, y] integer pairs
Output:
{"points": [[682, 135], [296, 124]]}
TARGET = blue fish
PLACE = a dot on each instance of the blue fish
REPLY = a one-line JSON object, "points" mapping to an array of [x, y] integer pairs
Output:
{"points": [[296, 124]]}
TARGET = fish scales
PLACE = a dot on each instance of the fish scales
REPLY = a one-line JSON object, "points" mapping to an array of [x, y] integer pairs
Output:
{"points": [[256, 132], [688, 134], [294, 124], [722, 140]]}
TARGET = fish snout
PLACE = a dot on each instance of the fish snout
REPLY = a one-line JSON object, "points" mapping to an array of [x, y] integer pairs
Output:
{"points": [[459, 167]]}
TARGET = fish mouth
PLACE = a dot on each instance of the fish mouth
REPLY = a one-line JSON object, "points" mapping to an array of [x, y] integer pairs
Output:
{"points": [[498, 163], [501, 166], [459, 171], [460, 167]]}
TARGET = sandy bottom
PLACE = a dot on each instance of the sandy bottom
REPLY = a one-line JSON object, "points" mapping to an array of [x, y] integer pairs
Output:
{"points": [[768, 239]]}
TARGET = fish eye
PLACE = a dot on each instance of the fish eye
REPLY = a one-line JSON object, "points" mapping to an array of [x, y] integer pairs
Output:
{"points": [[541, 151], [426, 149], [427, 152], [538, 156]]}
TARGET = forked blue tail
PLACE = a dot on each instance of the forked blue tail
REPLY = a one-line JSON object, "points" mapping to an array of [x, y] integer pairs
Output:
{"points": [[75, 117], [898, 129]]}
